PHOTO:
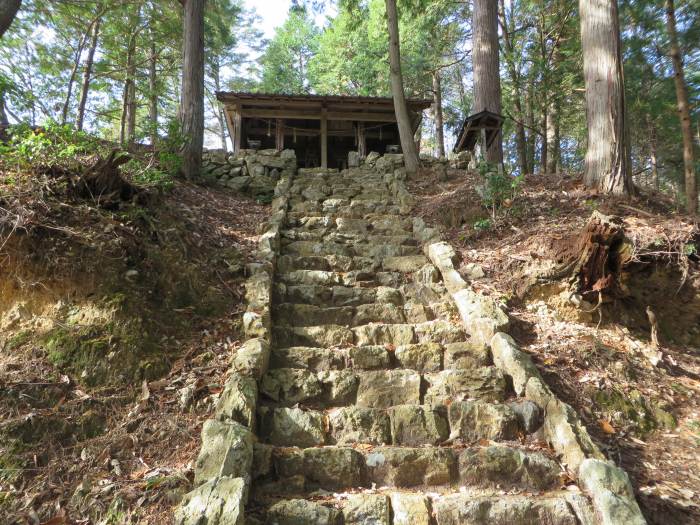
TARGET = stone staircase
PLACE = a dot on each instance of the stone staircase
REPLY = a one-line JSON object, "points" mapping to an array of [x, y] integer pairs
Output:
{"points": [[377, 407]]}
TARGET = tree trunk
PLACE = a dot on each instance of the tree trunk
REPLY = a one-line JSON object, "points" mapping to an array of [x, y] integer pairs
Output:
{"points": [[607, 165], [3, 114], [8, 11], [153, 89], [71, 78], [87, 75], [653, 146], [487, 81], [192, 98], [216, 107], [544, 125], [530, 123], [403, 120], [520, 139], [553, 138], [553, 134], [691, 190], [437, 113]]}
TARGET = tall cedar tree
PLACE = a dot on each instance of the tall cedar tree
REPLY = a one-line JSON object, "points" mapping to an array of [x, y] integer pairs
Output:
{"points": [[408, 144], [8, 11], [691, 189], [487, 81], [192, 99], [607, 165]]}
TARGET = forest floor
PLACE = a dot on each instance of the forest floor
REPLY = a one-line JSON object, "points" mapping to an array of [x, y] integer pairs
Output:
{"points": [[643, 412], [116, 327]]}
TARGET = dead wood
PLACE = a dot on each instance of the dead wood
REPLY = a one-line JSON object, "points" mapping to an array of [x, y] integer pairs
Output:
{"points": [[593, 260], [103, 182]]}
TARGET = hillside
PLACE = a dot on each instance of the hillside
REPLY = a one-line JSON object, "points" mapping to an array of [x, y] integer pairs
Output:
{"points": [[641, 404], [116, 321]]}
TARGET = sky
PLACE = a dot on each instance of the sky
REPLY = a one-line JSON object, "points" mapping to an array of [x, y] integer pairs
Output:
{"points": [[274, 13]]}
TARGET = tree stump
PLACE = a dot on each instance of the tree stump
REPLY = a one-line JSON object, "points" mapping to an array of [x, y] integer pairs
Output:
{"points": [[103, 181], [595, 258]]}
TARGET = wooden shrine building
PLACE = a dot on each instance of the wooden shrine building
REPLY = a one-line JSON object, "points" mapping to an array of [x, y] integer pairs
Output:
{"points": [[480, 128], [321, 129]]}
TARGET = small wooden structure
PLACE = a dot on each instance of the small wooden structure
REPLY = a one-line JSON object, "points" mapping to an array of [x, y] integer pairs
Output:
{"points": [[321, 129], [483, 126]]}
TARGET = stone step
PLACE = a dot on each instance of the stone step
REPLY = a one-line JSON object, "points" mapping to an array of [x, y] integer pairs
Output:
{"points": [[422, 357], [355, 238], [288, 314], [355, 212], [346, 207], [391, 507], [376, 222], [336, 295], [335, 248], [401, 425], [336, 468], [334, 335], [328, 263], [381, 388], [360, 278]]}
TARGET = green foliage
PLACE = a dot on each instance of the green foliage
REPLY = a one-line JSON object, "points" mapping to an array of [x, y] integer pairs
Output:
{"points": [[286, 60], [49, 145], [497, 187], [483, 225]]}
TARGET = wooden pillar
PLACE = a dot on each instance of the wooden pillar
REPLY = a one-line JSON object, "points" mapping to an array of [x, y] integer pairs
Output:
{"points": [[324, 138], [279, 134], [361, 140], [237, 129]]}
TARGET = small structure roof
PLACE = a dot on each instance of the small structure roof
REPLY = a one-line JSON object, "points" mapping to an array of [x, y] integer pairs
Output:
{"points": [[415, 104], [470, 131]]}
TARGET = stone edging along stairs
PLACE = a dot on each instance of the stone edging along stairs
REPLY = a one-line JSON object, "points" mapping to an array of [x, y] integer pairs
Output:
{"points": [[376, 387]]}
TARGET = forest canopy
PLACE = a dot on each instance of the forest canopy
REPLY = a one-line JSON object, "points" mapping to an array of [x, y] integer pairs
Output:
{"points": [[114, 68]]}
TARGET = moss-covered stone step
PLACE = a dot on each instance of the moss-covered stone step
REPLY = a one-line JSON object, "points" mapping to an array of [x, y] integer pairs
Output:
{"points": [[309, 315], [423, 357], [335, 468], [415, 508], [404, 425], [328, 263], [396, 334], [348, 237], [360, 250], [352, 278], [336, 295], [371, 222], [381, 388]]}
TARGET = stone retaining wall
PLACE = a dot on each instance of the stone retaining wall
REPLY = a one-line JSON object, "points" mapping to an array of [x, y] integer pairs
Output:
{"points": [[224, 464], [253, 172], [607, 485]]}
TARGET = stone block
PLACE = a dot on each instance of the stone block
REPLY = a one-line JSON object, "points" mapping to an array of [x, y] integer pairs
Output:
{"points": [[465, 356], [423, 357], [486, 384], [410, 509], [227, 450], [238, 401], [288, 427], [472, 421], [411, 467], [252, 359], [217, 502], [359, 425], [367, 509], [507, 468], [334, 468], [386, 388], [413, 425]]}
